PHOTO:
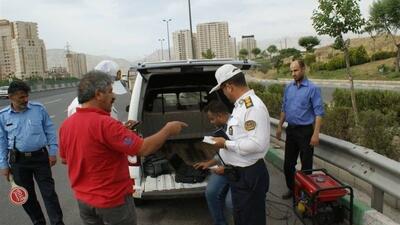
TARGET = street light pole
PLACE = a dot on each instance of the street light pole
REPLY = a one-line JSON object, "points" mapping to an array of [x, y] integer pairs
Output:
{"points": [[162, 49], [191, 31], [169, 49]]}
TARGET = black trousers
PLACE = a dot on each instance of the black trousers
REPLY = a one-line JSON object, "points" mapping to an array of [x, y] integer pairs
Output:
{"points": [[24, 170], [297, 142], [249, 194]]}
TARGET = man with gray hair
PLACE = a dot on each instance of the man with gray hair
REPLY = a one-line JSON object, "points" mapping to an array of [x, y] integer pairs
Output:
{"points": [[94, 146]]}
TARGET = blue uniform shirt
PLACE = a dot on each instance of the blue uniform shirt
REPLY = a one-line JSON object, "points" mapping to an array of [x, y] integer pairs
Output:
{"points": [[32, 130], [301, 104]]}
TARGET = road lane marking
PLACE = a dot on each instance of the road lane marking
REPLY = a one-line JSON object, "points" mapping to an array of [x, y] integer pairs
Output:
{"points": [[54, 101], [52, 116]]}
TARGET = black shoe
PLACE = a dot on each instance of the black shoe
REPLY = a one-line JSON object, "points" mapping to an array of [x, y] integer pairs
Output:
{"points": [[287, 195]]}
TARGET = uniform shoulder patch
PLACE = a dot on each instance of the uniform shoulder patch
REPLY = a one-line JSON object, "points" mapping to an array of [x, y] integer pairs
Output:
{"points": [[250, 125], [248, 102]]}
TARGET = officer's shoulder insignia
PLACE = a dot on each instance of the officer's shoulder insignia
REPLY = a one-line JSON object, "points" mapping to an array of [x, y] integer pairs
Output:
{"points": [[250, 125], [248, 102]]}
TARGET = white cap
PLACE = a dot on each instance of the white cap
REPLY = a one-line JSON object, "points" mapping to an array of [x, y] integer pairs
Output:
{"points": [[223, 74], [111, 68]]}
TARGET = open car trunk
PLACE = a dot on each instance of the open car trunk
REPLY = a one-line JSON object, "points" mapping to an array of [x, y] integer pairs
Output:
{"points": [[175, 154], [181, 97]]}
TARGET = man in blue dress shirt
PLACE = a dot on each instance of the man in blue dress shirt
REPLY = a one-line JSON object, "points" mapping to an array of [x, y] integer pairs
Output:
{"points": [[302, 109], [28, 148]]}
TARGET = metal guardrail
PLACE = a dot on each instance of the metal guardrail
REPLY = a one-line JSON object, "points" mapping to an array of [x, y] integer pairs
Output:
{"points": [[382, 173]]}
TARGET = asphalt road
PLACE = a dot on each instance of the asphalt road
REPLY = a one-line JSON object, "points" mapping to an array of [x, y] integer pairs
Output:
{"points": [[165, 212]]}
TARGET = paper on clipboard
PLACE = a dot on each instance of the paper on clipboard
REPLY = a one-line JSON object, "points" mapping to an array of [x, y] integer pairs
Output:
{"points": [[208, 140]]}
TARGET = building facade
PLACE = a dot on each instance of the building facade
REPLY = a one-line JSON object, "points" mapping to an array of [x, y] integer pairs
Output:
{"points": [[214, 36], [23, 54], [7, 60], [232, 48], [249, 43], [183, 45], [76, 64]]}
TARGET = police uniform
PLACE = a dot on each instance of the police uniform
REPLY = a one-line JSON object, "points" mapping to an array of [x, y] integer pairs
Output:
{"points": [[29, 137], [249, 132]]}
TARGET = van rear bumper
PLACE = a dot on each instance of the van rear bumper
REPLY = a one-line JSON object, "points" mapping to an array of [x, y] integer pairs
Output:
{"points": [[177, 193]]}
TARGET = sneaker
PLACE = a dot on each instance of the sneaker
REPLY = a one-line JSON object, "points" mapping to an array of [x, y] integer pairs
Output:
{"points": [[287, 195]]}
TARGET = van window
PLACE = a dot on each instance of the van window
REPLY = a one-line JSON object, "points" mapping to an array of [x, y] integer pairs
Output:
{"points": [[180, 101]]}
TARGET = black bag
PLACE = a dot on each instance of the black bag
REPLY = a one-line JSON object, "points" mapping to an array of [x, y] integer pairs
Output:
{"points": [[155, 165], [185, 173]]}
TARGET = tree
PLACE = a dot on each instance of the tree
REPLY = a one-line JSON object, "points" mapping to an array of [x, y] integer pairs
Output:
{"points": [[209, 54], [265, 54], [385, 18], [243, 53], [277, 62], [255, 52], [272, 49], [290, 52], [336, 18], [309, 42], [371, 29]]}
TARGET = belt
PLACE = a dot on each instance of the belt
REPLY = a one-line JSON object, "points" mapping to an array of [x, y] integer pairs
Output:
{"points": [[299, 126], [246, 167], [33, 153]]}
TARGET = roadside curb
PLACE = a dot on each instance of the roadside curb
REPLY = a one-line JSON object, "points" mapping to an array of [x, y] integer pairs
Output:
{"points": [[362, 213]]}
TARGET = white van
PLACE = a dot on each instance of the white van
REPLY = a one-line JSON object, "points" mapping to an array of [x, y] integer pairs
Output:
{"points": [[169, 91]]}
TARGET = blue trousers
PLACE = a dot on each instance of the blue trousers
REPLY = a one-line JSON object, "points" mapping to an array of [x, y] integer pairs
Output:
{"points": [[218, 197]]}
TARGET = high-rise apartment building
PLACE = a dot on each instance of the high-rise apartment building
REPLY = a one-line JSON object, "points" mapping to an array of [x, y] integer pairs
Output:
{"points": [[22, 53], [7, 60], [76, 64], [232, 47], [248, 43], [183, 45], [214, 36]]}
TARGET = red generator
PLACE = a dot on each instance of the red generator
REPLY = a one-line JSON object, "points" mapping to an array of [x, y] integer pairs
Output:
{"points": [[317, 197]]}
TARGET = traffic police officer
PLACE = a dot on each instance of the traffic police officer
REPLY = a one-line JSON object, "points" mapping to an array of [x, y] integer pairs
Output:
{"points": [[26, 131], [249, 135]]}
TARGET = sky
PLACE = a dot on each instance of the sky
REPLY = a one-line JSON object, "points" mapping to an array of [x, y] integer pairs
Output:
{"points": [[130, 29]]}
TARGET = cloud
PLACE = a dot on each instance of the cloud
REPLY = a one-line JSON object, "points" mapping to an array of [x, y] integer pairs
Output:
{"points": [[130, 28]]}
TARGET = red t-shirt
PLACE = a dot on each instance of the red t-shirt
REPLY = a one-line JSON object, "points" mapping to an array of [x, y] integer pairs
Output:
{"points": [[95, 147]]}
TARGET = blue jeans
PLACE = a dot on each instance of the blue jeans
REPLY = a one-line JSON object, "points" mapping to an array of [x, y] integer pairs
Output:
{"points": [[218, 195]]}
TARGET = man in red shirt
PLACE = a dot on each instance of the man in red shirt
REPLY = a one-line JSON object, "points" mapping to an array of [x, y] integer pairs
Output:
{"points": [[95, 147]]}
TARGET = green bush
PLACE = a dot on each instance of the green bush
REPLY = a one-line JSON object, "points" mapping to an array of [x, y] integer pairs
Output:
{"points": [[273, 102], [358, 56], [382, 55], [377, 131], [309, 59], [257, 87], [285, 69], [317, 66], [276, 89], [335, 63], [338, 122], [383, 68], [382, 100], [263, 65]]}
